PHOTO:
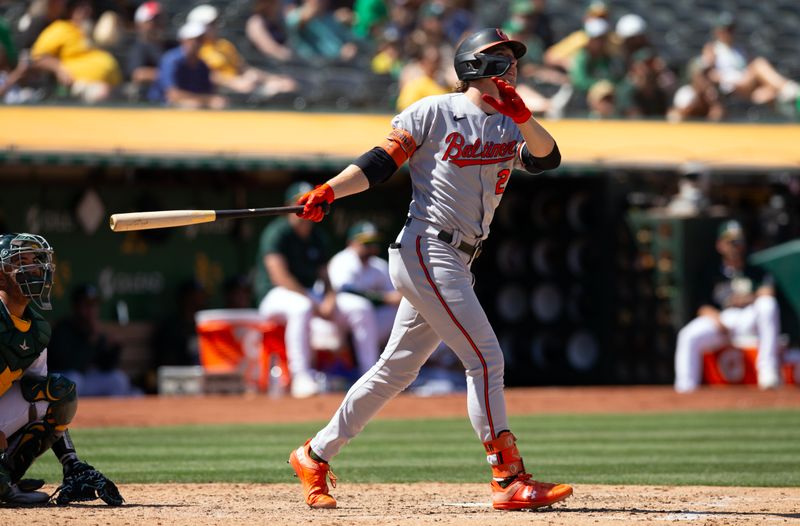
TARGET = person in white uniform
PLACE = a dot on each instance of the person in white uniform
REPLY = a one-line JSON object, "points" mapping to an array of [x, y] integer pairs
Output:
{"points": [[292, 282], [359, 271], [743, 306], [462, 148]]}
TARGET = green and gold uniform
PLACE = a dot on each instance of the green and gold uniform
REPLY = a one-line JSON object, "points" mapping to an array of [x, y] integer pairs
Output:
{"points": [[22, 341]]}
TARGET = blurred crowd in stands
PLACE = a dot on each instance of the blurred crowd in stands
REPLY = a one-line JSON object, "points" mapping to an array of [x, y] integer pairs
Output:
{"points": [[596, 59]]}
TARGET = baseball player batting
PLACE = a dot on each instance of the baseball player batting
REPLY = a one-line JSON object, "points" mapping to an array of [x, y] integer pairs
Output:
{"points": [[461, 148]]}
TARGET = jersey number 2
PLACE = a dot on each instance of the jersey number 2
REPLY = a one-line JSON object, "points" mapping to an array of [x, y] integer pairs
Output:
{"points": [[502, 179]]}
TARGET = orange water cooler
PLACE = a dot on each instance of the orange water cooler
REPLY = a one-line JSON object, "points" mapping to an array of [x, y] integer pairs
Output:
{"points": [[732, 365], [241, 341]]}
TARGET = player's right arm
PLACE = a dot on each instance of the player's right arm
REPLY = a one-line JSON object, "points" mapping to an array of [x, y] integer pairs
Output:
{"points": [[351, 180], [373, 167], [376, 165]]}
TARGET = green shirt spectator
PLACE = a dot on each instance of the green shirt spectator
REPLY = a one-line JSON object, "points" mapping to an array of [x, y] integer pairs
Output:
{"points": [[304, 257], [594, 62], [368, 14], [7, 43]]}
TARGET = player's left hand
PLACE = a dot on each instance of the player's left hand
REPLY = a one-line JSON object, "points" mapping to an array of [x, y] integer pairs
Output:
{"points": [[316, 203], [83, 483], [510, 102]]}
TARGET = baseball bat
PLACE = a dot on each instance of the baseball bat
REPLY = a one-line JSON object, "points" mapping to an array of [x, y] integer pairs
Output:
{"points": [[171, 218]]}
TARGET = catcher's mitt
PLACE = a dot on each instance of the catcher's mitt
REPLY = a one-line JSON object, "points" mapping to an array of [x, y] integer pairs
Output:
{"points": [[83, 483]]}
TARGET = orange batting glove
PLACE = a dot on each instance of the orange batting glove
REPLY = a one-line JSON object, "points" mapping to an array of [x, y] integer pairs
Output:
{"points": [[510, 102], [315, 203]]}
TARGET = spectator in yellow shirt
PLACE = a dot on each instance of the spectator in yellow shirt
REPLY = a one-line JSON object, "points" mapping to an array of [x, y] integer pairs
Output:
{"points": [[424, 84], [63, 48], [228, 69]]}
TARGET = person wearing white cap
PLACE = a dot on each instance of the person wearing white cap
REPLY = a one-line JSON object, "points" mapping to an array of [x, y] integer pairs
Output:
{"points": [[204, 14], [148, 47], [649, 83], [632, 31], [184, 80], [594, 62], [563, 53], [229, 71], [631, 25]]}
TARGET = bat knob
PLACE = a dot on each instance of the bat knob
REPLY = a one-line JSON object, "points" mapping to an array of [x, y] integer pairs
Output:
{"points": [[326, 207]]}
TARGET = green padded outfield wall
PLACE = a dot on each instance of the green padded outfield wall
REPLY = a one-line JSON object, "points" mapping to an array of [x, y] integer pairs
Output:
{"points": [[661, 264]]}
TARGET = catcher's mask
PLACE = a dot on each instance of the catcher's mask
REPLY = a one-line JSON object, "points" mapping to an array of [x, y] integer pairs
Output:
{"points": [[28, 259], [472, 62]]}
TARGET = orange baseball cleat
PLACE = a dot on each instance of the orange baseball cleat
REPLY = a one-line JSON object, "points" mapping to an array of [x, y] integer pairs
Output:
{"points": [[524, 493], [312, 475]]}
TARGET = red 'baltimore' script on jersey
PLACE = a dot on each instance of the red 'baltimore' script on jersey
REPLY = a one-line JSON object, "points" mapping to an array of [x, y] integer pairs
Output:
{"points": [[458, 152]]}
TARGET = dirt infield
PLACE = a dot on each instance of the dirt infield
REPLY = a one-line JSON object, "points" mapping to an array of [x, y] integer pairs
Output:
{"points": [[425, 503], [415, 504]]}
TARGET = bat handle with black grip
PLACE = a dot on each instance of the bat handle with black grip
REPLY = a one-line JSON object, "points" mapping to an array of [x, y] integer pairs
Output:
{"points": [[255, 212]]}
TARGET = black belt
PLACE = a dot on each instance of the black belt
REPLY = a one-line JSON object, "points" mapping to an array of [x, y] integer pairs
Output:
{"points": [[473, 251]]}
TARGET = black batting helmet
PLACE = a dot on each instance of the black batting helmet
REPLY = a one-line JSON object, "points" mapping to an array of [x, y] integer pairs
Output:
{"points": [[472, 63]]}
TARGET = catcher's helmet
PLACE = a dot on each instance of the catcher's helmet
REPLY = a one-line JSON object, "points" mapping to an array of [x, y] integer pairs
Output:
{"points": [[472, 63], [28, 259]]}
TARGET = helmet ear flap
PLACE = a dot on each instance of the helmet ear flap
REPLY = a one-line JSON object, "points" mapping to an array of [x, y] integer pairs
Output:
{"points": [[472, 68]]}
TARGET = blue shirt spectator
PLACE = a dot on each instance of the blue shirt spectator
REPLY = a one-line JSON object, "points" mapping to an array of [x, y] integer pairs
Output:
{"points": [[176, 71], [184, 80]]}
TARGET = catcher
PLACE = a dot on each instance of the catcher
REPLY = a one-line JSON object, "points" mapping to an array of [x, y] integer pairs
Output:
{"points": [[35, 407]]}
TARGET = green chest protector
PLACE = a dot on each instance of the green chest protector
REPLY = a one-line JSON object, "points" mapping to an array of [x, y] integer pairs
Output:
{"points": [[18, 350]]}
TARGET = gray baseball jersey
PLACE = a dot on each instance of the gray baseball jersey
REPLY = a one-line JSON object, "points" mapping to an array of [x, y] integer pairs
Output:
{"points": [[460, 160]]}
